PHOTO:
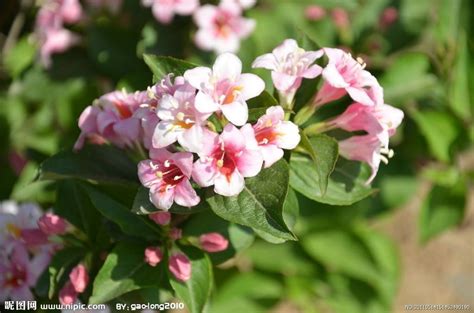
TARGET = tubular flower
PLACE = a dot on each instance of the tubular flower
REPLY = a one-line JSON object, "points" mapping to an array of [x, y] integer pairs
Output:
{"points": [[225, 160], [160, 218], [177, 116], [289, 65], [79, 278], [164, 10], [381, 120], [167, 175], [273, 134], [224, 89], [344, 75], [52, 224], [367, 148], [221, 27], [117, 117]]}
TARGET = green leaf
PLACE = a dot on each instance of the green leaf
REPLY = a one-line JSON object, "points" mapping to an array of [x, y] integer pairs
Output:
{"points": [[346, 184], [130, 223], [324, 151], [164, 65], [408, 78], [125, 270], [442, 209], [59, 267], [20, 56], [459, 88], [74, 204], [93, 163], [260, 204], [240, 237], [196, 291], [143, 205], [397, 190], [440, 131]]}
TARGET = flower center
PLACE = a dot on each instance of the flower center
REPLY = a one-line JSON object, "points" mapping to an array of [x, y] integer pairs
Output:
{"points": [[13, 230], [169, 174], [225, 163], [123, 110], [16, 277], [266, 133], [222, 26], [183, 121]]}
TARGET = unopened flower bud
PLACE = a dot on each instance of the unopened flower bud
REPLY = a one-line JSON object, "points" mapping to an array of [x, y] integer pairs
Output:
{"points": [[52, 224], [161, 218], [180, 267], [213, 242], [79, 278], [153, 255]]}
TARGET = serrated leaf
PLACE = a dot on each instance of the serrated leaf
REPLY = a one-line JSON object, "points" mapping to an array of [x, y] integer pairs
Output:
{"points": [[164, 65], [196, 291], [346, 184], [124, 270], [93, 163], [324, 151], [260, 204]]}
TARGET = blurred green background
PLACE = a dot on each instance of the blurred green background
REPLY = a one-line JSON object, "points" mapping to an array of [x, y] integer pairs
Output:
{"points": [[412, 242]]}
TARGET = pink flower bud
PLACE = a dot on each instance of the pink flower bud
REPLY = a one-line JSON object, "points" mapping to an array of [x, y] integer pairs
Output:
{"points": [[79, 278], [340, 17], [153, 255], [180, 266], [161, 218], [388, 17], [68, 294], [314, 12], [52, 224], [213, 242], [176, 233], [33, 237]]}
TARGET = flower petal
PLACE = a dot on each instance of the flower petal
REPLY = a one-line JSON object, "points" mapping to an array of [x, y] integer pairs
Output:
{"points": [[229, 185], [185, 195]]}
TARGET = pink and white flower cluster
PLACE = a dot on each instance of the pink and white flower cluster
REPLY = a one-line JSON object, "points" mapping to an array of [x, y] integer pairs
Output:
{"points": [[26, 247], [343, 75], [220, 27], [171, 120]]}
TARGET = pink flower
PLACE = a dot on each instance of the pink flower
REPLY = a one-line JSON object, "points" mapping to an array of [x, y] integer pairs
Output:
{"points": [[153, 256], [344, 74], [221, 27], [226, 159], [167, 175], [314, 12], [33, 237], [224, 89], [164, 10], [19, 273], [118, 117], [388, 17], [52, 224], [160, 218], [67, 294], [178, 116], [176, 233], [79, 278], [289, 65], [381, 120], [56, 41], [213, 242], [366, 148], [70, 11], [180, 266], [273, 134], [340, 17]]}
